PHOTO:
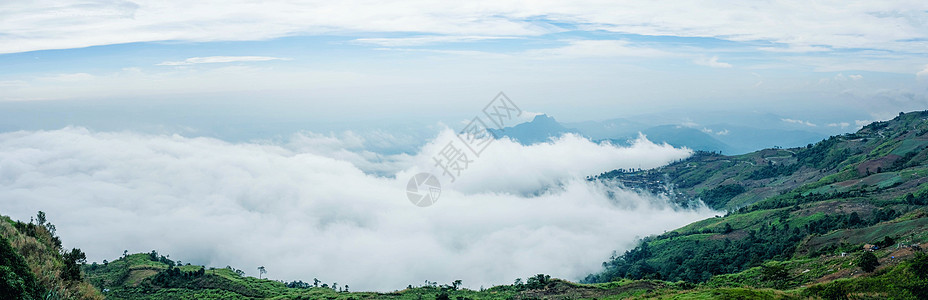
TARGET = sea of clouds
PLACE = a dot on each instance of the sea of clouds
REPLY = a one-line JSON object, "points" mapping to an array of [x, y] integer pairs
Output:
{"points": [[322, 206]]}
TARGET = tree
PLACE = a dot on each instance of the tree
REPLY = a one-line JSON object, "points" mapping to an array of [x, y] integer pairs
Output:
{"points": [[40, 217], [72, 262], [455, 285], [261, 271], [316, 282], [868, 262], [774, 273]]}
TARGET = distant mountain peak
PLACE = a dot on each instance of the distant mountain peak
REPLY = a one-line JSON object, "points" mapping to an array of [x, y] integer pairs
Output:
{"points": [[543, 117], [541, 129]]}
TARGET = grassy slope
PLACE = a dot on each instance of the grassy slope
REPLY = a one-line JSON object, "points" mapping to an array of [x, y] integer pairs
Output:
{"points": [[41, 252], [879, 169]]}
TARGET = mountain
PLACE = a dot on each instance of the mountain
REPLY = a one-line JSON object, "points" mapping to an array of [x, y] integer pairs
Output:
{"points": [[798, 219], [744, 139], [678, 136], [744, 131], [608, 129], [541, 129]]}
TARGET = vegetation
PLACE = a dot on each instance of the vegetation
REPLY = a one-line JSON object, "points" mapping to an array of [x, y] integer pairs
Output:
{"points": [[33, 265], [790, 208]]}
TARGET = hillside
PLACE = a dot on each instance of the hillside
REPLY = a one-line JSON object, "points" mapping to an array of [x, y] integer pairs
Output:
{"points": [[806, 212], [33, 265]]}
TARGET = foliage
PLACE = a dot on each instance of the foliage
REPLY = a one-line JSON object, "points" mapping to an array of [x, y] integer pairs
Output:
{"points": [[719, 196], [16, 280], [908, 280], [55, 271], [868, 262]]}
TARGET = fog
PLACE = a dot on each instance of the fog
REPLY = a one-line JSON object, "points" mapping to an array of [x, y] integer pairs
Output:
{"points": [[323, 206]]}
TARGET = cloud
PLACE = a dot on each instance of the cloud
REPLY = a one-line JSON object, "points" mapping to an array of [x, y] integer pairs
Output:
{"points": [[596, 48], [305, 215], [720, 132], [855, 76], [800, 122], [893, 25], [795, 49], [711, 62], [922, 73], [841, 124], [219, 59], [425, 40]]}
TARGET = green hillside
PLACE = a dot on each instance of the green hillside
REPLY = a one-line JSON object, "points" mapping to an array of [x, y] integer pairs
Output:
{"points": [[805, 213], [33, 265]]}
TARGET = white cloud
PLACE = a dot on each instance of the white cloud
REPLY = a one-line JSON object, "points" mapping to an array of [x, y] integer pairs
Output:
{"points": [[923, 72], [795, 49], [800, 122], [711, 62], [841, 124], [305, 215], [842, 77], [596, 48], [425, 40], [798, 26], [720, 132], [219, 59]]}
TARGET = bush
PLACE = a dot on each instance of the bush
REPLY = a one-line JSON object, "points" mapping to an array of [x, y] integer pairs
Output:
{"points": [[868, 262]]}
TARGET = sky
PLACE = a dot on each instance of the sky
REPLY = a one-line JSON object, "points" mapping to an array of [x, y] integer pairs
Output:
{"points": [[388, 62], [282, 133]]}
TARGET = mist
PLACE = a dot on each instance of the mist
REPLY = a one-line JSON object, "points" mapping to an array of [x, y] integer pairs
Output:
{"points": [[325, 206]]}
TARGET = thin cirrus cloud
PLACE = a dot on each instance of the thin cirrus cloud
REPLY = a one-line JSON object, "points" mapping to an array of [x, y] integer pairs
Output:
{"points": [[796, 25], [316, 214], [219, 59]]}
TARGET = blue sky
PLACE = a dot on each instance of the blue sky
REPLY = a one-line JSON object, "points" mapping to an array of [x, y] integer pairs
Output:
{"points": [[354, 61]]}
